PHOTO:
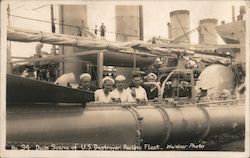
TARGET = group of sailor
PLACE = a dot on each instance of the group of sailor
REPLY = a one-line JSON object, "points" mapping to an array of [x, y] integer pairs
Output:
{"points": [[115, 90]]}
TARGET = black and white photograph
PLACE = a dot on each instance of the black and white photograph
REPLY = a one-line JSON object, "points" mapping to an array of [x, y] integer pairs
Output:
{"points": [[125, 78]]}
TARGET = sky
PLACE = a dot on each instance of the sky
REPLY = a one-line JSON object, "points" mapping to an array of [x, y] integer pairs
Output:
{"points": [[155, 17]]}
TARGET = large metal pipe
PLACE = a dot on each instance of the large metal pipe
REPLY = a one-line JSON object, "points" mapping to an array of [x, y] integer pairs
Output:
{"points": [[88, 126], [124, 124], [220, 120]]}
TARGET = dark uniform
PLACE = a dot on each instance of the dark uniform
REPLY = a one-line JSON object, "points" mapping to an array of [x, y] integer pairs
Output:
{"points": [[102, 29]]}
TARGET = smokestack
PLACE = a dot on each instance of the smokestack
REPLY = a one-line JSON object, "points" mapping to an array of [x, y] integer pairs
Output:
{"points": [[242, 13], [233, 14], [73, 15], [129, 22], [242, 10], [207, 33], [180, 25]]}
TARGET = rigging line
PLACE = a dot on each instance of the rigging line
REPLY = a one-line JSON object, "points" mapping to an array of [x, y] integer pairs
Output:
{"points": [[40, 7], [18, 7], [182, 28], [181, 37], [77, 27], [8, 14], [169, 40]]}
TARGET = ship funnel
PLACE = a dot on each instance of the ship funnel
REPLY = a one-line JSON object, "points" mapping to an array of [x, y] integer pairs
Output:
{"points": [[242, 13], [75, 15], [180, 25], [242, 10], [129, 22], [207, 32], [233, 14]]}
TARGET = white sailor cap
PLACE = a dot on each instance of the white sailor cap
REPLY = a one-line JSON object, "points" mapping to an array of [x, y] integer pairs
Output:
{"points": [[85, 75], [66, 78], [120, 78], [107, 78], [151, 76]]}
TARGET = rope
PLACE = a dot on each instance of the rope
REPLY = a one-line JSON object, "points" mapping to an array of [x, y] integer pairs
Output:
{"points": [[67, 25], [42, 36]]}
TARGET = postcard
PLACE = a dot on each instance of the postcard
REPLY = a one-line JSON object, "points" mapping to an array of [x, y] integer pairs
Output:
{"points": [[125, 78]]}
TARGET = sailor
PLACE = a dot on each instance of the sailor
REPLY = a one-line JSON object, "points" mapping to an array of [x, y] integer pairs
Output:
{"points": [[202, 93], [103, 95], [25, 73], [102, 29], [175, 87], [85, 80], [35, 73], [120, 94], [48, 78], [39, 50], [96, 30], [240, 91], [152, 90], [151, 77], [137, 91]]}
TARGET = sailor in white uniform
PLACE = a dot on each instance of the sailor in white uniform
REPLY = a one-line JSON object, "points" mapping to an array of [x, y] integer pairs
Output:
{"points": [[85, 82], [138, 92], [120, 94], [103, 95], [151, 89]]}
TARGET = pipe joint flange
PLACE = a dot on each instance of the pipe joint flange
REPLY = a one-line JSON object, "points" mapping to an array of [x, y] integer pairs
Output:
{"points": [[208, 121], [138, 120], [167, 123]]}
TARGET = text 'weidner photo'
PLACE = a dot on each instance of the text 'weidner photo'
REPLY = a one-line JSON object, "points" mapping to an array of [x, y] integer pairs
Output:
{"points": [[106, 75]]}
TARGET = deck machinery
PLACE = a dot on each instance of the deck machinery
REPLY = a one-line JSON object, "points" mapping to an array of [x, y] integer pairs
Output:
{"points": [[65, 116]]}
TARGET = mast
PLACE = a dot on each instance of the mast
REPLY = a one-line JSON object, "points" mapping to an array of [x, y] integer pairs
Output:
{"points": [[9, 65], [53, 28]]}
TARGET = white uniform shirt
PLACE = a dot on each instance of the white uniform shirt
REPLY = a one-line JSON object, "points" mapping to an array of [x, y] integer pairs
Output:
{"points": [[25, 74], [125, 96], [100, 96], [140, 93]]}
